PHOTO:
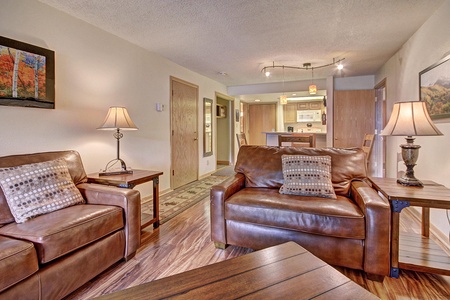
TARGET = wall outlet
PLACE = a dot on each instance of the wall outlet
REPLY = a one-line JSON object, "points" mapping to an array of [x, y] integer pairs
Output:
{"points": [[159, 107]]}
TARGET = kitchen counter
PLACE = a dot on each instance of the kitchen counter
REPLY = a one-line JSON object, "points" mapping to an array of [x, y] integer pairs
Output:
{"points": [[272, 137]]}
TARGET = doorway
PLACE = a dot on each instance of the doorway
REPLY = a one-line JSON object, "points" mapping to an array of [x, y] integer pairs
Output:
{"points": [[225, 120], [378, 165], [184, 135]]}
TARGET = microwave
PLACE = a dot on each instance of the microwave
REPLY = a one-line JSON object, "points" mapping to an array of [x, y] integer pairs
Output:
{"points": [[307, 116]]}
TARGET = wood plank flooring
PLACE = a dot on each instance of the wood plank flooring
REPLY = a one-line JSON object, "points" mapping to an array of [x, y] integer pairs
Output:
{"points": [[183, 243]]}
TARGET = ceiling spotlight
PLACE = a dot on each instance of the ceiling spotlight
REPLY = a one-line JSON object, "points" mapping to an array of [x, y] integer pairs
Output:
{"points": [[267, 73], [340, 66]]}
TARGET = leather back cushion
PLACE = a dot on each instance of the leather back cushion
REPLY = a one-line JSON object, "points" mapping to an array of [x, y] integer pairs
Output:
{"points": [[262, 166], [72, 159]]}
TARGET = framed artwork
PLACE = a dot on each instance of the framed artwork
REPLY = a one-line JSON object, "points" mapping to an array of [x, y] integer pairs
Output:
{"points": [[27, 75], [434, 85]]}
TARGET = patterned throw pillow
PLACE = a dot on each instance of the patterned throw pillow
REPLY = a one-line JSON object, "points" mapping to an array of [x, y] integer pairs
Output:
{"points": [[307, 176], [36, 189]]}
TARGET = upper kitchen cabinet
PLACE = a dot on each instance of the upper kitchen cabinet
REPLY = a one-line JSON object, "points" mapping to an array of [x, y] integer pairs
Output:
{"points": [[315, 105], [290, 109], [290, 113]]}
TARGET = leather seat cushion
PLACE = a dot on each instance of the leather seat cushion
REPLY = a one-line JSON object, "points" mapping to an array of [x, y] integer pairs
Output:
{"points": [[63, 231], [331, 217], [18, 260]]}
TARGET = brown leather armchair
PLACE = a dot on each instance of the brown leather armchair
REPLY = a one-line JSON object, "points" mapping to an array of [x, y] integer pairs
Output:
{"points": [[351, 231], [50, 256]]}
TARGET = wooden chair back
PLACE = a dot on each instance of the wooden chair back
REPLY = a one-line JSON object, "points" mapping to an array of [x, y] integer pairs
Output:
{"points": [[241, 139], [367, 144], [297, 140]]}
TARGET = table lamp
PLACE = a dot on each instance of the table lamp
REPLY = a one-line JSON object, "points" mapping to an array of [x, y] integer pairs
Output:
{"points": [[117, 118], [410, 119]]}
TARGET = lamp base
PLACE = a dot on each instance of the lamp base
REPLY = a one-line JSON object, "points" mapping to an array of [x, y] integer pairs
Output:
{"points": [[409, 181], [108, 171], [115, 173], [410, 153]]}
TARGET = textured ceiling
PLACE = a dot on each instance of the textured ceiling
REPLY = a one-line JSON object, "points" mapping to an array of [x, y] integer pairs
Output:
{"points": [[240, 37]]}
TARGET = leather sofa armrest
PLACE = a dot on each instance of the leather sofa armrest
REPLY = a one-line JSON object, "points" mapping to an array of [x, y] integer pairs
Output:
{"points": [[377, 215], [218, 195], [129, 200]]}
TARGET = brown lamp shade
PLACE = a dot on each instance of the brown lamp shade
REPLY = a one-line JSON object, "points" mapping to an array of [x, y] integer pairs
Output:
{"points": [[410, 119]]}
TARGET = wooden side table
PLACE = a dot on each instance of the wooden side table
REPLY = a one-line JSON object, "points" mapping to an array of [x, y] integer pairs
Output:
{"points": [[130, 181], [409, 251]]}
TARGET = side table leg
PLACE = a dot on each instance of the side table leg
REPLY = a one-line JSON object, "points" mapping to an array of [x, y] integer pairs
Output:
{"points": [[395, 244], [396, 208], [156, 202], [426, 221]]}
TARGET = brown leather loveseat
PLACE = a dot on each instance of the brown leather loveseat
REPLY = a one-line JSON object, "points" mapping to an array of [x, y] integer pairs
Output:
{"points": [[51, 255], [351, 231]]}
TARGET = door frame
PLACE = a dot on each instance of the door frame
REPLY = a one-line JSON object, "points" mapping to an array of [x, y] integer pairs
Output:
{"points": [[232, 151], [196, 158], [380, 119]]}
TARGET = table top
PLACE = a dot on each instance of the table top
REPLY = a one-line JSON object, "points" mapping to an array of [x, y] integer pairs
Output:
{"points": [[137, 177], [285, 271], [432, 194]]}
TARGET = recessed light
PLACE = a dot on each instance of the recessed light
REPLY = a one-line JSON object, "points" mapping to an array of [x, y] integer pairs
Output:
{"points": [[257, 100]]}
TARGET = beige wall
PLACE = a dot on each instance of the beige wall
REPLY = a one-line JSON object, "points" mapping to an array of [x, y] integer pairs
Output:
{"points": [[427, 46], [96, 70]]}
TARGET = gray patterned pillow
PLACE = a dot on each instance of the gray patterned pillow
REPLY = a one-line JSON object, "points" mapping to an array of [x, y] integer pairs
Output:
{"points": [[36, 189], [307, 176]]}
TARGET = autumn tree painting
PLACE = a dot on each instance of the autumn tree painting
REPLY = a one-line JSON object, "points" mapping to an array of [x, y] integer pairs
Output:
{"points": [[24, 75]]}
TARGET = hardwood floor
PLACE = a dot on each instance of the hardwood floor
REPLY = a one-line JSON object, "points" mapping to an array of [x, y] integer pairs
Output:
{"points": [[183, 243]]}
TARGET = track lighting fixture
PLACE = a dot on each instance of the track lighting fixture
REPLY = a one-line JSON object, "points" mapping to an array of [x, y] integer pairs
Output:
{"points": [[306, 66]]}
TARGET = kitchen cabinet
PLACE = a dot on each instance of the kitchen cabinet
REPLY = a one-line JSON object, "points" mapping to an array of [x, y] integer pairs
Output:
{"points": [[302, 105], [315, 105], [290, 113]]}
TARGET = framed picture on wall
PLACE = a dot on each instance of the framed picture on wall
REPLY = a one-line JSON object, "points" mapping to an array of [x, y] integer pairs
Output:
{"points": [[27, 75], [434, 84]]}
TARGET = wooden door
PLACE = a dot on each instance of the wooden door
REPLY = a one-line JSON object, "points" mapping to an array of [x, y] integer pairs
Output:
{"points": [[262, 118], [184, 139], [353, 116]]}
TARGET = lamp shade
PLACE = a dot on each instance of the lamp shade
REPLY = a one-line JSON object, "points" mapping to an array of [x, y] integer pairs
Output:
{"points": [[118, 118], [410, 119]]}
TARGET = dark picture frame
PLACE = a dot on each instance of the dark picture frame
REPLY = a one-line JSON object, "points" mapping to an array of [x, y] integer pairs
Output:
{"points": [[434, 88], [27, 75]]}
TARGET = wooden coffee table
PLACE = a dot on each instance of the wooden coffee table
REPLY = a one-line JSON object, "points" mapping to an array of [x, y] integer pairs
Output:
{"points": [[285, 271]]}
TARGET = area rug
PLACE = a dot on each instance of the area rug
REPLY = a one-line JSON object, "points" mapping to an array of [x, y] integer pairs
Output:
{"points": [[177, 201]]}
